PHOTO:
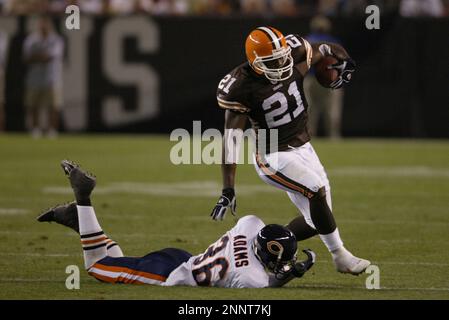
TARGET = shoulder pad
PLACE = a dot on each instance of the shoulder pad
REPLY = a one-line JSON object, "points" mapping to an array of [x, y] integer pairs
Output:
{"points": [[231, 92], [301, 49]]}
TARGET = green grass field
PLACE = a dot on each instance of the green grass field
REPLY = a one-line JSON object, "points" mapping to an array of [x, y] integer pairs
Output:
{"points": [[391, 202]]}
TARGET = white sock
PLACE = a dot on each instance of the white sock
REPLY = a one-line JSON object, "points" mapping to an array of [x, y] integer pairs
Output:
{"points": [[113, 248], [93, 239], [341, 252], [332, 240], [88, 222]]}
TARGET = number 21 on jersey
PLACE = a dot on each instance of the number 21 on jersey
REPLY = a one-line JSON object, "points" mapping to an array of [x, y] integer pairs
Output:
{"points": [[226, 83], [280, 116]]}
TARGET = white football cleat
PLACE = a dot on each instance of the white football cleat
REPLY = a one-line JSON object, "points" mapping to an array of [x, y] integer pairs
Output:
{"points": [[345, 262]]}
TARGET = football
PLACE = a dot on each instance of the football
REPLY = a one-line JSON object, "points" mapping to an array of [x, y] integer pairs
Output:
{"points": [[324, 75]]}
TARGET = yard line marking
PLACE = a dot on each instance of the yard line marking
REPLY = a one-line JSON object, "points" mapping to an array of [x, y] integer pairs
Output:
{"points": [[35, 254], [36, 233], [120, 236], [173, 189], [366, 221], [415, 289], [425, 264], [28, 280], [13, 211], [397, 172], [346, 221], [325, 286]]}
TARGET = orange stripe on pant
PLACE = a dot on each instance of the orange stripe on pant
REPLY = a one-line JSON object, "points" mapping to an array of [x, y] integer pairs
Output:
{"points": [[114, 280], [280, 180], [132, 272]]}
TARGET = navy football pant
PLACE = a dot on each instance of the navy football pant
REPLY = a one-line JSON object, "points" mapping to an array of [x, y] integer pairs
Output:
{"points": [[154, 268]]}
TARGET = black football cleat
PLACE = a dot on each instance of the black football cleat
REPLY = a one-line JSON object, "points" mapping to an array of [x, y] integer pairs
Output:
{"points": [[65, 214], [82, 182]]}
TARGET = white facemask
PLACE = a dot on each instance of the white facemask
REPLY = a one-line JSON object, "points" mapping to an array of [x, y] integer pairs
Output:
{"points": [[281, 73]]}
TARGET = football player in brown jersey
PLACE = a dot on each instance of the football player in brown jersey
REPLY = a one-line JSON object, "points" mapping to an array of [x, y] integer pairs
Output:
{"points": [[268, 90]]}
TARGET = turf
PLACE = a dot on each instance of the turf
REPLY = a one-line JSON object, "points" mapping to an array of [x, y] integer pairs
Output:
{"points": [[391, 202]]}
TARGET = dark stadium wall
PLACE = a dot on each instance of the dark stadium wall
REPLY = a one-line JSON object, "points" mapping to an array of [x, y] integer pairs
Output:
{"points": [[141, 74]]}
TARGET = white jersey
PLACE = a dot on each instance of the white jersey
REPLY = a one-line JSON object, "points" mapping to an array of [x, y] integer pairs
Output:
{"points": [[229, 262]]}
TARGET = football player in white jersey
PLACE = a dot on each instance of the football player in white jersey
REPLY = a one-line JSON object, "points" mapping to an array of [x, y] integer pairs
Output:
{"points": [[250, 255]]}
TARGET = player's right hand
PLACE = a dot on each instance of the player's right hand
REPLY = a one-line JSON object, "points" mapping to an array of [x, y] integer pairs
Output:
{"points": [[227, 200]]}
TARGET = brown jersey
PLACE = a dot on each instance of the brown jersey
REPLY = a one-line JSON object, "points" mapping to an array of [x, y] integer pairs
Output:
{"points": [[271, 105]]}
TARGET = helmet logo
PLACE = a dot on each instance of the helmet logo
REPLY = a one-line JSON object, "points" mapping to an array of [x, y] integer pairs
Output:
{"points": [[275, 247]]}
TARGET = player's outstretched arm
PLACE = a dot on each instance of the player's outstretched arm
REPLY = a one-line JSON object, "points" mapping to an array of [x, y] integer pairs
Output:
{"points": [[234, 126]]}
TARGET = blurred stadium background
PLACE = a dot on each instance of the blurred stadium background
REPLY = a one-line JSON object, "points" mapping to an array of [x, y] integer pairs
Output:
{"points": [[140, 69], [152, 66]]}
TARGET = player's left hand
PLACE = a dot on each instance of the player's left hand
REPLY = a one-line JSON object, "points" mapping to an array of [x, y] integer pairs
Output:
{"points": [[302, 267], [345, 68], [227, 200]]}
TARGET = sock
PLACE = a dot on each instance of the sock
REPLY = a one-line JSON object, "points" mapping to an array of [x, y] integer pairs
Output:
{"points": [[340, 252], [332, 241], [113, 248], [301, 229], [93, 239]]}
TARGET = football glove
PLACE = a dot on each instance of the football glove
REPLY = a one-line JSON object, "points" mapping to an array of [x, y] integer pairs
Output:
{"points": [[345, 69], [227, 200], [302, 267]]}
